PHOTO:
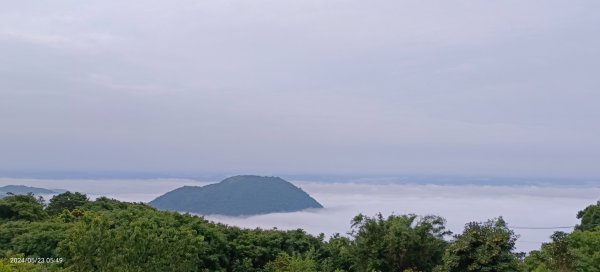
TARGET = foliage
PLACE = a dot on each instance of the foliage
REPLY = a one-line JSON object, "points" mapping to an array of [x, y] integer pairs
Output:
{"points": [[22, 207], [337, 254], [554, 256], [398, 243], [132, 240], [578, 251], [66, 201], [110, 235], [482, 247], [105, 204], [590, 217], [6, 265], [258, 247], [585, 248], [35, 239], [287, 263]]}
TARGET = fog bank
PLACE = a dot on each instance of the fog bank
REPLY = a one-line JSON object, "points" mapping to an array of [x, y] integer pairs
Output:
{"points": [[521, 206]]}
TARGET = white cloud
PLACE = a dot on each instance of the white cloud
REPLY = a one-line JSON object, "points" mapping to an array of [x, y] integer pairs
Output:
{"points": [[523, 206]]}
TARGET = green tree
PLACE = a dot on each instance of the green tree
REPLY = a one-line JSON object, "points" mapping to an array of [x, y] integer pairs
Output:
{"points": [[22, 207], [578, 251], [262, 246], [337, 254], [105, 204], [536, 261], [287, 263], [398, 243], [132, 240], [34, 239], [7, 266], [66, 201], [584, 247], [555, 256], [482, 247], [590, 217]]}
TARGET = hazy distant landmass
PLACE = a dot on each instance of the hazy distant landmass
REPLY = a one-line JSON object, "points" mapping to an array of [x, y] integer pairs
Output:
{"points": [[399, 178], [238, 195], [21, 189]]}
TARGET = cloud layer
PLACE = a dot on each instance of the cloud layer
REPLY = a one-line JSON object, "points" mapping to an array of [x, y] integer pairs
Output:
{"points": [[521, 206]]}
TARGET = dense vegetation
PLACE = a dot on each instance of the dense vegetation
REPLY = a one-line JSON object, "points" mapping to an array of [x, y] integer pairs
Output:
{"points": [[72, 233], [238, 195]]}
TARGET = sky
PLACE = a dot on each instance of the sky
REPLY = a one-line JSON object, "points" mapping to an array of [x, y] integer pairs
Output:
{"points": [[492, 88]]}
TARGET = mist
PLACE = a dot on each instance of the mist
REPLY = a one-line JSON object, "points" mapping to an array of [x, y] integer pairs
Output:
{"points": [[520, 206]]}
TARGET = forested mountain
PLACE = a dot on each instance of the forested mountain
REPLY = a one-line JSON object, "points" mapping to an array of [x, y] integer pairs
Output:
{"points": [[72, 233], [21, 189], [238, 195]]}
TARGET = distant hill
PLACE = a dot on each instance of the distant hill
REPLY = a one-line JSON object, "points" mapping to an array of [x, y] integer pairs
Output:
{"points": [[239, 195], [22, 189]]}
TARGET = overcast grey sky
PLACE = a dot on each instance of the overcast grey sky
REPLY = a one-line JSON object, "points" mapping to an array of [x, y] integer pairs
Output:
{"points": [[423, 87]]}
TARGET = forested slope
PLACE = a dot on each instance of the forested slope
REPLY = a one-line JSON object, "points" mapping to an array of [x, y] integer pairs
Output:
{"points": [[238, 195]]}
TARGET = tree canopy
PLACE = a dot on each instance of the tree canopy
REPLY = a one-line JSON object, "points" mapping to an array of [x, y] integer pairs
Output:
{"points": [[590, 217], [482, 247], [73, 233], [66, 201]]}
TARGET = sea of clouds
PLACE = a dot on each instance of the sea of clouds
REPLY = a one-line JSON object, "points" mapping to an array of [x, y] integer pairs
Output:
{"points": [[520, 206]]}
